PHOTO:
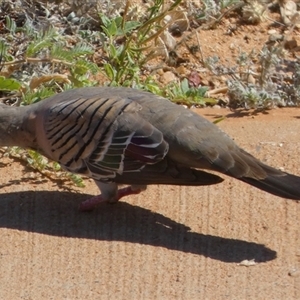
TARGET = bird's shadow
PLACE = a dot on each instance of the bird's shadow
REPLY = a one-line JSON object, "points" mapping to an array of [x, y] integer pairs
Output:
{"points": [[55, 213]]}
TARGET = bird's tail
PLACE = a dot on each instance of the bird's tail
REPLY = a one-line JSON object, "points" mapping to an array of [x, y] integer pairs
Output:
{"points": [[285, 185], [252, 171]]}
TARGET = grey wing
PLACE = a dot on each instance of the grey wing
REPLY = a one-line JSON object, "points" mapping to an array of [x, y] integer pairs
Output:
{"points": [[102, 137]]}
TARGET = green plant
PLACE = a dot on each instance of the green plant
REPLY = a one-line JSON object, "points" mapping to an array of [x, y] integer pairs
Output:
{"points": [[184, 94], [214, 11], [128, 44], [253, 96], [51, 60], [263, 92], [41, 164], [258, 85]]}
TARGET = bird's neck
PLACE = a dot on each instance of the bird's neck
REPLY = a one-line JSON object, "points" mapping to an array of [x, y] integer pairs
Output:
{"points": [[17, 126]]}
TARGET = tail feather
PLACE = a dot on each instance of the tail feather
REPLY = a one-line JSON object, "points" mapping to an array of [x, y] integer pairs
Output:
{"points": [[247, 168], [285, 186]]}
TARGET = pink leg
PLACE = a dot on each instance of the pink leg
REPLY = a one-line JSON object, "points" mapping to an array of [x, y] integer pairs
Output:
{"points": [[91, 203]]}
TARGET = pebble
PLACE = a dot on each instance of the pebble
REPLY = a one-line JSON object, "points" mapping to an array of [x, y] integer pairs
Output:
{"points": [[167, 77], [294, 273], [247, 263], [290, 43], [182, 70], [272, 31]]}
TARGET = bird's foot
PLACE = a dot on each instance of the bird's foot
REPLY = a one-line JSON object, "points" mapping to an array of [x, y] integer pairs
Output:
{"points": [[91, 203]]}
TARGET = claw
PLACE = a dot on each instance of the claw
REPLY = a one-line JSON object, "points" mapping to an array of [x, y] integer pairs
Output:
{"points": [[91, 203]]}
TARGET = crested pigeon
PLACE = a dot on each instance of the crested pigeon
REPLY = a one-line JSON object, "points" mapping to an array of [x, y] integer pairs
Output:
{"points": [[123, 136]]}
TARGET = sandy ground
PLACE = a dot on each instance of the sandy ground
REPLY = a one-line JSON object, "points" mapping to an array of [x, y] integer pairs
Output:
{"points": [[167, 243]]}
